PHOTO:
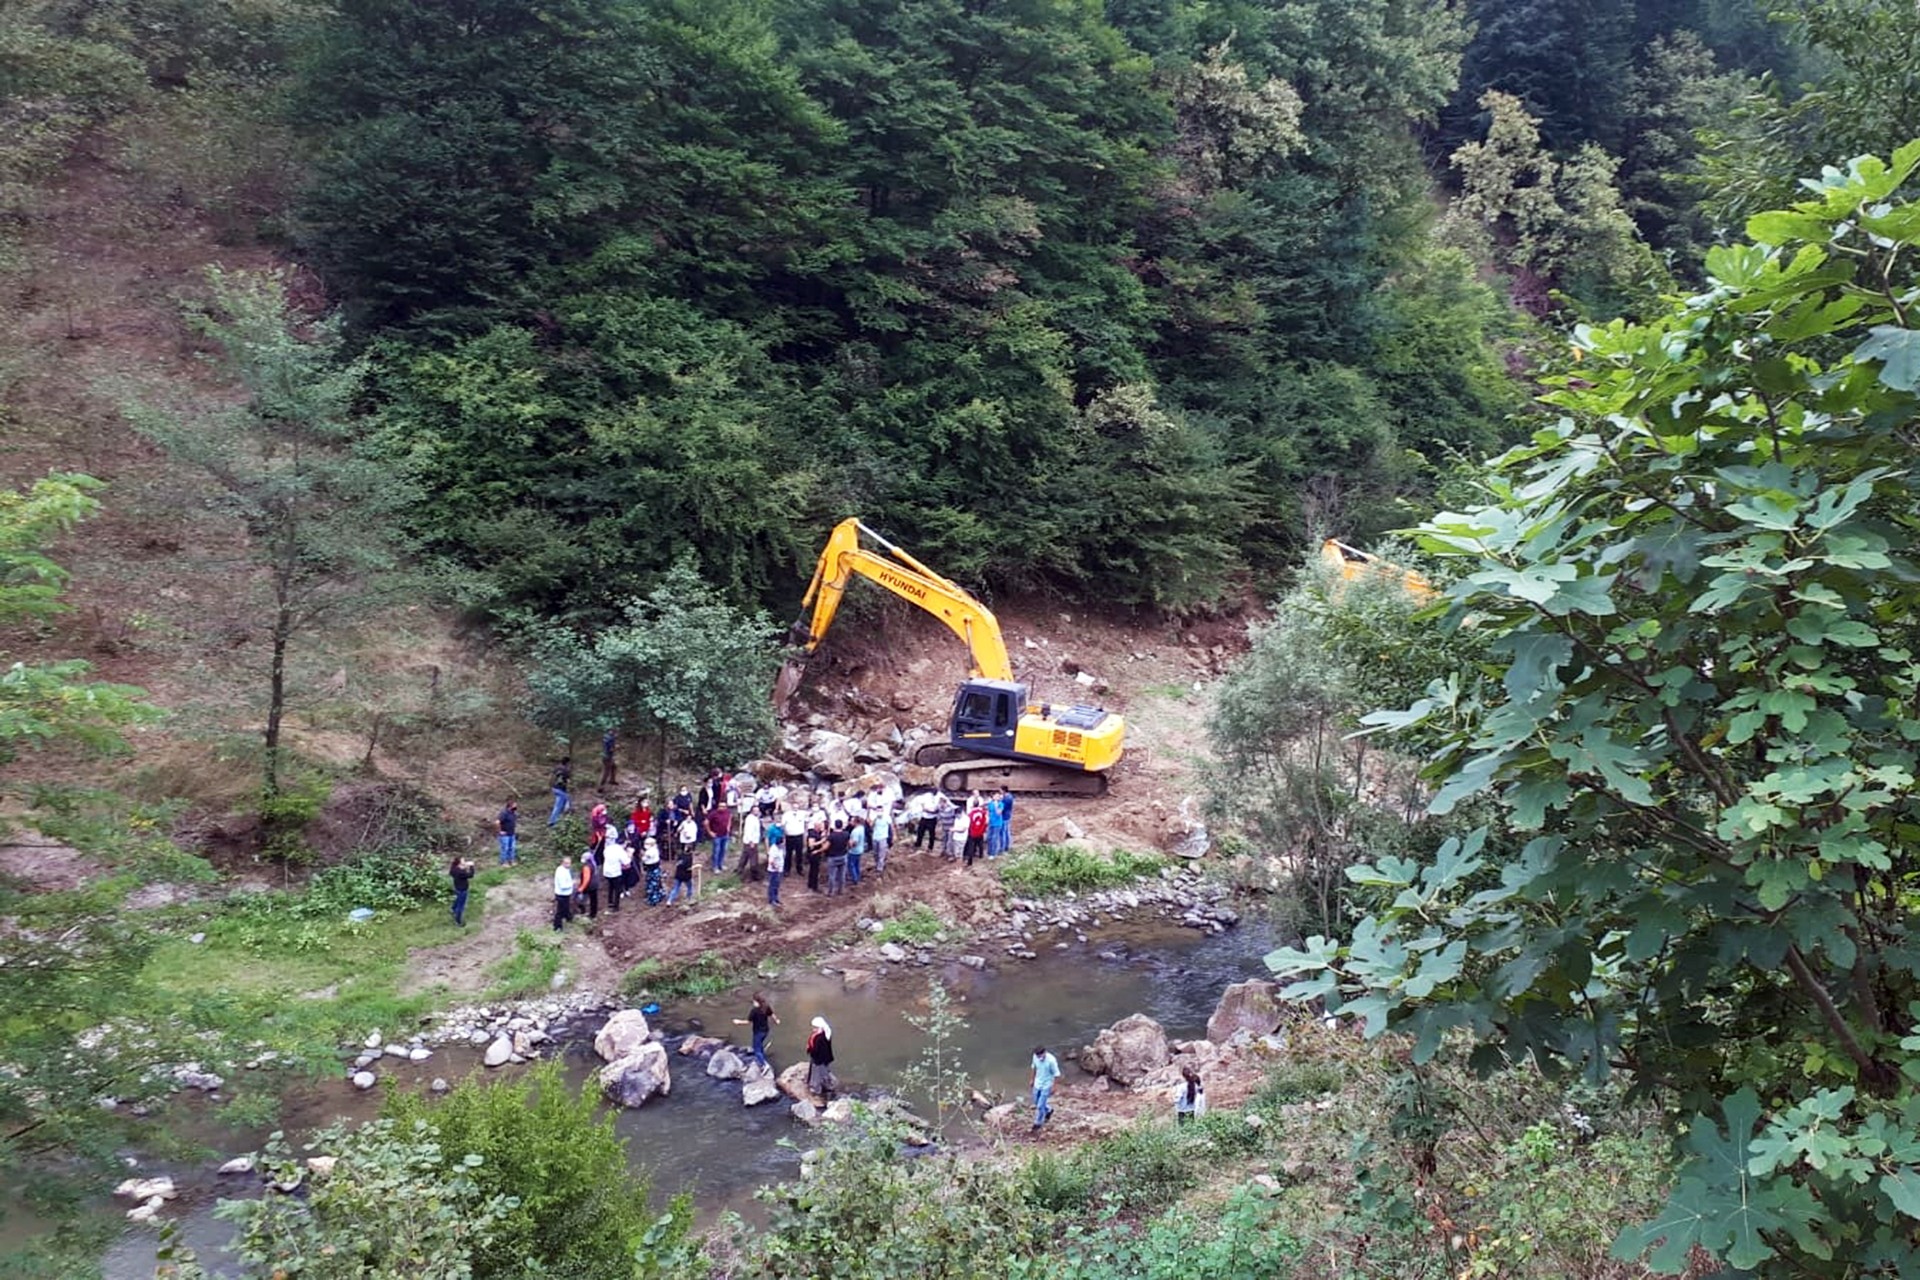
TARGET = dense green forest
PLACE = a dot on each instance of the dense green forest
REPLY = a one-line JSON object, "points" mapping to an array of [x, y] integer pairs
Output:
{"points": [[1130, 300], [590, 316]]}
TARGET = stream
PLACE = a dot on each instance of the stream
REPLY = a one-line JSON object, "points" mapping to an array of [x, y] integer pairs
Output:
{"points": [[700, 1139]]}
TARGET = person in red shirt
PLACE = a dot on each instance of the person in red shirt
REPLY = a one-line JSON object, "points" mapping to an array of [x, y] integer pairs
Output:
{"points": [[642, 818], [976, 830]]}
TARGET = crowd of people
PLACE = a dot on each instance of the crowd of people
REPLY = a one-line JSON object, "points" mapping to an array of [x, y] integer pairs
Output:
{"points": [[837, 837]]}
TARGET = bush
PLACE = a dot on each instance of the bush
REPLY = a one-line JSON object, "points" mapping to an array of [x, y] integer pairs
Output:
{"points": [[1057, 1183], [1296, 1082], [919, 927], [1141, 1167], [1048, 869], [1227, 1133], [705, 975], [581, 1210]]}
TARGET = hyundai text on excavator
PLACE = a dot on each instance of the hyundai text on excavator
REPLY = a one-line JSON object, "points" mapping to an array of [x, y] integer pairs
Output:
{"points": [[997, 737]]}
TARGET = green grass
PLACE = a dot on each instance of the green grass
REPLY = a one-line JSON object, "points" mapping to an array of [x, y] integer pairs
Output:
{"points": [[528, 970], [919, 927], [705, 975], [1047, 869]]}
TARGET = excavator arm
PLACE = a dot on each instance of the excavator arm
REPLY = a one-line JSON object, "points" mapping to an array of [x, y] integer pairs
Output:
{"points": [[844, 558]]}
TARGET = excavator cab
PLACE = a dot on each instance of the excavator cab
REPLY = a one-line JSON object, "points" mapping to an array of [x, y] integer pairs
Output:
{"points": [[986, 716]]}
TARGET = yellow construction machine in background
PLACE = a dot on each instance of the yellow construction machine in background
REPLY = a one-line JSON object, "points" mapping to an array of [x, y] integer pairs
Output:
{"points": [[997, 737]]}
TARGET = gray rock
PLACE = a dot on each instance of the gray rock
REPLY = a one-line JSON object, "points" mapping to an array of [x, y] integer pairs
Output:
{"points": [[640, 1075], [364, 1080], [498, 1052], [806, 1113], [146, 1189], [974, 962], [725, 1064], [759, 1090], [625, 1031], [239, 1164], [419, 1055], [893, 953], [439, 1084]]}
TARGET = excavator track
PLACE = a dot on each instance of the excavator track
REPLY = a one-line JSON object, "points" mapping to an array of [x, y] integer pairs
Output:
{"points": [[960, 773]]}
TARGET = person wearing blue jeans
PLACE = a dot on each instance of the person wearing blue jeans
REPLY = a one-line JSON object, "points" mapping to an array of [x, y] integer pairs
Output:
{"points": [[562, 789], [856, 850], [776, 862], [508, 826], [760, 1017], [461, 872], [1046, 1069], [682, 876], [720, 827]]}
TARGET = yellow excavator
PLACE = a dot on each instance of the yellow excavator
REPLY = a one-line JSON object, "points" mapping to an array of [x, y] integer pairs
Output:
{"points": [[997, 736], [1352, 564]]}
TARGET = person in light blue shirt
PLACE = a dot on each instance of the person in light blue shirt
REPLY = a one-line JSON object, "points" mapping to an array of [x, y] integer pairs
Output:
{"points": [[1046, 1069], [856, 850]]}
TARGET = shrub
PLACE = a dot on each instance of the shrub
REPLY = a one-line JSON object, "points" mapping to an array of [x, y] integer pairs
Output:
{"points": [[705, 975], [526, 971], [1047, 869], [1141, 1167], [1296, 1082], [581, 1211], [1057, 1183], [918, 927]]}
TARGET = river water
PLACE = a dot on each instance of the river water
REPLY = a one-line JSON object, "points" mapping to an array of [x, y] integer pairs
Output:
{"points": [[699, 1139]]}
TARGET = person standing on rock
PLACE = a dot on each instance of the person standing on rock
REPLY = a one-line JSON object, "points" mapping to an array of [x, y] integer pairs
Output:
{"points": [[508, 827], [562, 893], [820, 1081], [1190, 1099], [461, 873], [760, 1018], [562, 789], [1046, 1069], [776, 860], [650, 866]]}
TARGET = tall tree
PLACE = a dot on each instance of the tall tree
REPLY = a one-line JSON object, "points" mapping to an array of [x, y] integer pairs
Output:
{"points": [[1698, 590], [322, 512]]}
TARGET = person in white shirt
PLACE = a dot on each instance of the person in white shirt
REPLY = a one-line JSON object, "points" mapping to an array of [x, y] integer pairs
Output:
{"points": [[562, 893], [614, 860], [1189, 1096], [750, 846]]}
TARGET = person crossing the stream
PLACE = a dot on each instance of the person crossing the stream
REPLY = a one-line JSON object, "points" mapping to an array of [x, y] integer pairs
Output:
{"points": [[761, 1018], [820, 1079]]}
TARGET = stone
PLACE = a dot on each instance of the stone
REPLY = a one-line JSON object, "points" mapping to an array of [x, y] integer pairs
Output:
{"points": [[625, 1031], [239, 1164], [839, 1111], [1245, 1006], [146, 1189], [397, 1051], [1127, 1051], [419, 1055], [146, 1212], [631, 1080], [759, 1089], [793, 1082], [498, 1052], [439, 1084], [725, 1064], [805, 1112], [1267, 1183], [852, 978], [1006, 1116], [322, 1166], [893, 953], [374, 1040], [364, 1080], [974, 962], [699, 1044]]}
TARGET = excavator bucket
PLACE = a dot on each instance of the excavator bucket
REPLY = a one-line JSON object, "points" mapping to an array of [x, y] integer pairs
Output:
{"points": [[786, 683]]}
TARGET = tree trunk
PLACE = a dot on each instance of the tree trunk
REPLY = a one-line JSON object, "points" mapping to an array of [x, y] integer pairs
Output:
{"points": [[276, 699], [660, 780]]}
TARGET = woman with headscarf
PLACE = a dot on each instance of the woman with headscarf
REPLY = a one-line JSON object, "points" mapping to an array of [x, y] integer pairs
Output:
{"points": [[820, 1081], [650, 867]]}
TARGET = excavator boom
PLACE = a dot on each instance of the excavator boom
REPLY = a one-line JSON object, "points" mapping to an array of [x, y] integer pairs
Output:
{"points": [[912, 581]]}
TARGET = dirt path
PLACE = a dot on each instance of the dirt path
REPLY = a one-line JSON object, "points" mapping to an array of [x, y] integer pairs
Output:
{"points": [[467, 968]]}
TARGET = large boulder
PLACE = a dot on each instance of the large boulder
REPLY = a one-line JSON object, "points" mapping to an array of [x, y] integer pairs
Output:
{"points": [[793, 1083], [1127, 1051], [499, 1052], [1245, 1006], [758, 1086], [725, 1064], [691, 1045], [633, 1079], [625, 1031], [831, 755]]}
